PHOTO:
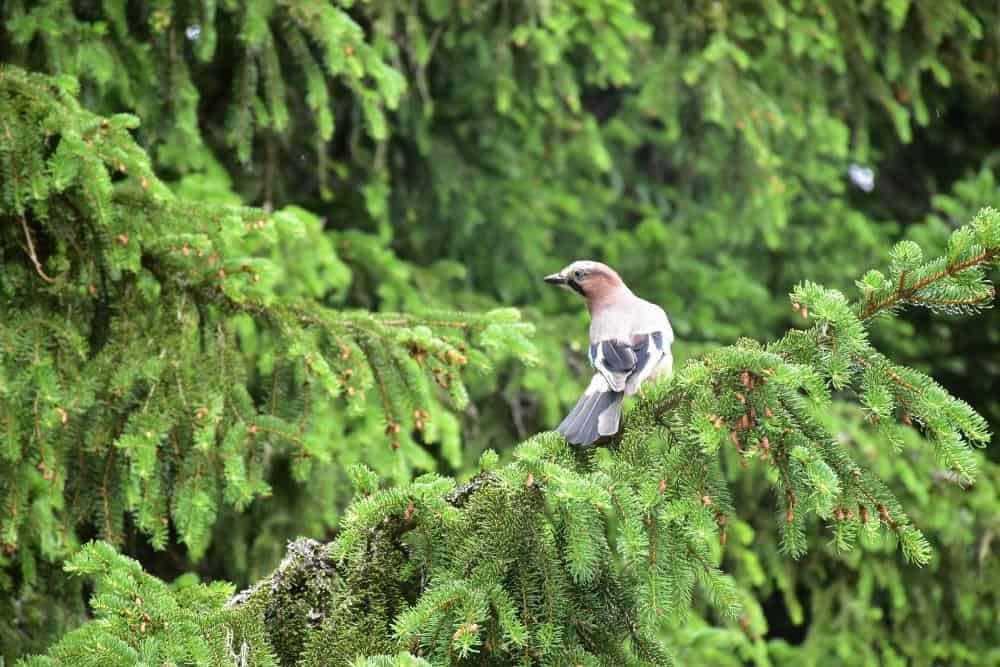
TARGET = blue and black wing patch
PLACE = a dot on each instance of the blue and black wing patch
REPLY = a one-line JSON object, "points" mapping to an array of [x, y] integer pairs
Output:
{"points": [[622, 366]]}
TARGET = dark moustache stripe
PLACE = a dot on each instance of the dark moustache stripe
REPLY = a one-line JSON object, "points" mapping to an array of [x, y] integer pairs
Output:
{"points": [[576, 287]]}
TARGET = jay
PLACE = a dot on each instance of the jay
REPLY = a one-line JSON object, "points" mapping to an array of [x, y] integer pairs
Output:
{"points": [[629, 344]]}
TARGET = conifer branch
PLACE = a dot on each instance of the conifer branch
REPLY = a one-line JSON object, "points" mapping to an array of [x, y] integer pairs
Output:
{"points": [[188, 319], [599, 546], [909, 292]]}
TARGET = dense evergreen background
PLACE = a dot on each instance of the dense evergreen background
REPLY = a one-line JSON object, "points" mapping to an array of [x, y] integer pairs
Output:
{"points": [[409, 157]]}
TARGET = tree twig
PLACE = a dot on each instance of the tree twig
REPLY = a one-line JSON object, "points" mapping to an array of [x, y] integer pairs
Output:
{"points": [[31, 252]]}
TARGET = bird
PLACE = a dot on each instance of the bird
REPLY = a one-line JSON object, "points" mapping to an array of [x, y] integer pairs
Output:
{"points": [[630, 341]]}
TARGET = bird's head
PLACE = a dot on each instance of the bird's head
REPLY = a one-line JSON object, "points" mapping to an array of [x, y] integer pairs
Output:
{"points": [[591, 280]]}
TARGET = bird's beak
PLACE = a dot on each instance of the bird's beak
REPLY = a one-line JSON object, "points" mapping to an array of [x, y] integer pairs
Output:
{"points": [[555, 279]]}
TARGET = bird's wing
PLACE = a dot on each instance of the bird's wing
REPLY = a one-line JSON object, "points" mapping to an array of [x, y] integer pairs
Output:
{"points": [[650, 350], [627, 364], [615, 360]]}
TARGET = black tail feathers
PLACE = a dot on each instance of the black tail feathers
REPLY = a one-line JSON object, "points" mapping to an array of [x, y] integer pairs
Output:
{"points": [[595, 415]]}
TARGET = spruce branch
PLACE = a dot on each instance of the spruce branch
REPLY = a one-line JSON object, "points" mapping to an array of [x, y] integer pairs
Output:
{"points": [[560, 554], [654, 495], [172, 362], [954, 282]]}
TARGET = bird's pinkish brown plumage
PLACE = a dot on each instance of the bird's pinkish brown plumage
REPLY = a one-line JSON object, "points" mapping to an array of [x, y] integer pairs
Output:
{"points": [[629, 344]]}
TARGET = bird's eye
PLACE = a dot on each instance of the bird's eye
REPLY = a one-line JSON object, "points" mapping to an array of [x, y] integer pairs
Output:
{"points": [[578, 275]]}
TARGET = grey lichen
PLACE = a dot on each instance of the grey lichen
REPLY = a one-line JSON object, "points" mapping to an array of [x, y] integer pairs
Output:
{"points": [[296, 598]]}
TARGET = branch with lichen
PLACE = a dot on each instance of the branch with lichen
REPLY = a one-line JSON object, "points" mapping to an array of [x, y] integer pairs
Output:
{"points": [[570, 556], [614, 542]]}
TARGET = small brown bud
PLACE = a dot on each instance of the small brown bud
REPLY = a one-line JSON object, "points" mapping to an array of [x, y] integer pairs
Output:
{"points": [[805, 312], [408, 514], [765, 444], [790, 515], [707, 501], [530, 480], [663, 486], [122, 239], [907, 420], [768, 412], [795, 306], [63, 416]]}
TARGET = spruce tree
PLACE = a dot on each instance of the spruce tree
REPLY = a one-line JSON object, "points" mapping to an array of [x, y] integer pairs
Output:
{"points": [[448, 153], [156, 364], [569, 556], [562, 555]]}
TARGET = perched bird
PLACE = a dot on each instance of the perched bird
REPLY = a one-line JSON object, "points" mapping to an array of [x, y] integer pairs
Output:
{"points": [[629, 343]]}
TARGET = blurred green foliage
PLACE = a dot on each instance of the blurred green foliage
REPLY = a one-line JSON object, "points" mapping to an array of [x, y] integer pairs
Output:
{"points": [[448, 153]]}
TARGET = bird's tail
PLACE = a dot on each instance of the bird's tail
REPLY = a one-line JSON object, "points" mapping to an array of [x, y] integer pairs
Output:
{"points": [[596, 414]]}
